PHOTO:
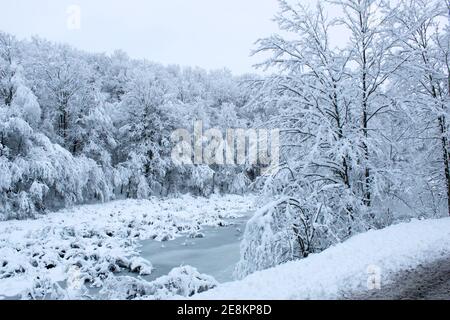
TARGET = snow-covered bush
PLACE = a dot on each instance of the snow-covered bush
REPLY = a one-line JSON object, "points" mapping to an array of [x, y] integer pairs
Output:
{"points": [[285, 230], [240, 183], [183, 282], [140, 266], [201, 180]]}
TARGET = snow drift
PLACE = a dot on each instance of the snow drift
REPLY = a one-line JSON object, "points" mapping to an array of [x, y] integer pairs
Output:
{"points": [[346, 268]]}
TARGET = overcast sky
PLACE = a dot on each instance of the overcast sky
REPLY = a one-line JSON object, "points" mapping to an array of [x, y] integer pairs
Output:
{"points": [[206, 33]]}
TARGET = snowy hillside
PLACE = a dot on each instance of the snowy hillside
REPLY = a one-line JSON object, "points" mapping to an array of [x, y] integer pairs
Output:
{"points": [[347, 268]]}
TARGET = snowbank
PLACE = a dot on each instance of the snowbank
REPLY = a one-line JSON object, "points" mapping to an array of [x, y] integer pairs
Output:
{"points": [[37, 257], [350, 267]]}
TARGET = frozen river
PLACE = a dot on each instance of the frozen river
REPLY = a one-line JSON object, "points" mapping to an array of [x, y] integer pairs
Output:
{"points": [[215, 254], [39, 257]]}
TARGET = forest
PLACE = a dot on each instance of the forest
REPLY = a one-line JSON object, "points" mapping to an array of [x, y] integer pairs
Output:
{"points": [[364, 127], [81, 128]]}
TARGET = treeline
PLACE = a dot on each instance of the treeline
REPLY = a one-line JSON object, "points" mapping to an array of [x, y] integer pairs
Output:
{"points": [[78, 127]]}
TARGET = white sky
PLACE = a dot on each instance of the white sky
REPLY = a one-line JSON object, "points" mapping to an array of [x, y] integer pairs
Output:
{"points": [[207, 33]]}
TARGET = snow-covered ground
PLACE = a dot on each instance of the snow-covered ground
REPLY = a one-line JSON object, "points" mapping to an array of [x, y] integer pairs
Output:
{"points": [[39, 257], [365, 262], [108, 247]]}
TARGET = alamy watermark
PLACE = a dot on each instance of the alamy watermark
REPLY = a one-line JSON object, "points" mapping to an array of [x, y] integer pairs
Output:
{"points": [[73, 21], [232, 147], [374, 277]]}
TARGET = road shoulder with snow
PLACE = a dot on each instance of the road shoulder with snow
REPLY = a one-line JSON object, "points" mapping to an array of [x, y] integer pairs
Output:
{"points": [[426, 282], [349, 268]]}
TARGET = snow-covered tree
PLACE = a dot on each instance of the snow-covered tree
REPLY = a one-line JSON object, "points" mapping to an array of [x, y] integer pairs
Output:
{"points": [[145, 132], [8, 65], [318, 120], [424, 92], [334, 107]]}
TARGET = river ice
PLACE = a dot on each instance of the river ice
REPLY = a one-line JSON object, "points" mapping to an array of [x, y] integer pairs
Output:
{"points": [[215, 254]]}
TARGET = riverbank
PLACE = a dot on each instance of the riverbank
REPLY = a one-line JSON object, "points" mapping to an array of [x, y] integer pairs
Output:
{"points": [[96, 242]]}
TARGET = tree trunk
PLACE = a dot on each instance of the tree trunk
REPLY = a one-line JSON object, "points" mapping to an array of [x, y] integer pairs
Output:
{"points": [[9, 97], [2, 144], [444, 139], [367, 196], [365, 147], [445, 154]]}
